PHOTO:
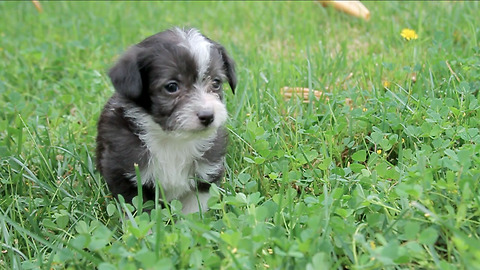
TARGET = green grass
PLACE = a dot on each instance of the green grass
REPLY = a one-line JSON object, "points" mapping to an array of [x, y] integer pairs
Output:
{"points": [[388, 180]]}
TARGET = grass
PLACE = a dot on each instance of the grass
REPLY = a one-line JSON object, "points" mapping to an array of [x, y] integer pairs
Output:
{"points": [[382, 174]]}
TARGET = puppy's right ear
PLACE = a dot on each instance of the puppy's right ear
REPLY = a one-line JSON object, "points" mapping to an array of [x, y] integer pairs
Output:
{"points": [[125, 74]]}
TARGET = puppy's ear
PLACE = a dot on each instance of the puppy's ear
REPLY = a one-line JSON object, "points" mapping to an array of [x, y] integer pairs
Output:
{"points": [[125, 74], [229, 66]]}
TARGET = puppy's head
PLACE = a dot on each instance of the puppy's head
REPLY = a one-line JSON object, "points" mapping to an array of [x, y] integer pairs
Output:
{"points": [[176, 76]]}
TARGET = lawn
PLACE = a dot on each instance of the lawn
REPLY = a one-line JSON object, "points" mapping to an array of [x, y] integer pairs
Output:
{"points": [[381, 172]]}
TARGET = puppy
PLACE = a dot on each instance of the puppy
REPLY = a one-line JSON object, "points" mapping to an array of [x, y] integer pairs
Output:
{"points": [[167, 115]]}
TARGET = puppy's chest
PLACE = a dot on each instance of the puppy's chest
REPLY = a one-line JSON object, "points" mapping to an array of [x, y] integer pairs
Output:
{"points": [[173, 164]]}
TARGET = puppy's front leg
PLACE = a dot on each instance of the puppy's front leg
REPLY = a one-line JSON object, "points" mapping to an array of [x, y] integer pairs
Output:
{"points": [[195, 201]]}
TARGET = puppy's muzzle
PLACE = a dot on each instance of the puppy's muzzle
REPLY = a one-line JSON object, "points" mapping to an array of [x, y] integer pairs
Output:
{"points": [[206, 117]]}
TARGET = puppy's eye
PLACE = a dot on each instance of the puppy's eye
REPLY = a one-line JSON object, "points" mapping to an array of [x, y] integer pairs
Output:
{"points": [[216, 84], [171, 87]]}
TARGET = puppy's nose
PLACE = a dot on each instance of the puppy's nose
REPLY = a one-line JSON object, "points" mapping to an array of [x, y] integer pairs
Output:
{"points": [[206, 117]]}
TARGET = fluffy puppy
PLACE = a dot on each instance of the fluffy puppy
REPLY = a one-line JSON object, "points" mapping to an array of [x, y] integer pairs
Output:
{"points": [[167, 115]]}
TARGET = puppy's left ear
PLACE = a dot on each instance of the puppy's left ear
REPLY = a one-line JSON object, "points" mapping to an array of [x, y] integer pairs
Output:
{"points": [[229, 66]]}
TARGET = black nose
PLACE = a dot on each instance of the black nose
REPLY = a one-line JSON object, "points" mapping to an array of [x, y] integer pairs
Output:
{"points": [[205, 117]]}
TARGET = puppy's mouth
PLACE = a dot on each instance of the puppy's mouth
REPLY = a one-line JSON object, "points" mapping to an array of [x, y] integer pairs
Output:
{"points": [[200, 128], [206, 131], [193, 134]]}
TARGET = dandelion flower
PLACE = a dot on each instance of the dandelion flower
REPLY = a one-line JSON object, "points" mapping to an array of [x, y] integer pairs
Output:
{"points": [[409, 34], [386, 84]]}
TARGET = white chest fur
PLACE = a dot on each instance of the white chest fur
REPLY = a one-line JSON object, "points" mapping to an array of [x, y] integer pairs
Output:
{"points": [[173, 158]]}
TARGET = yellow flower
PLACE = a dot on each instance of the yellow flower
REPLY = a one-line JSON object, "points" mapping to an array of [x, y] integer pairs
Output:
{"points": [[409, 34], [379, 151], [386, 84]]}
